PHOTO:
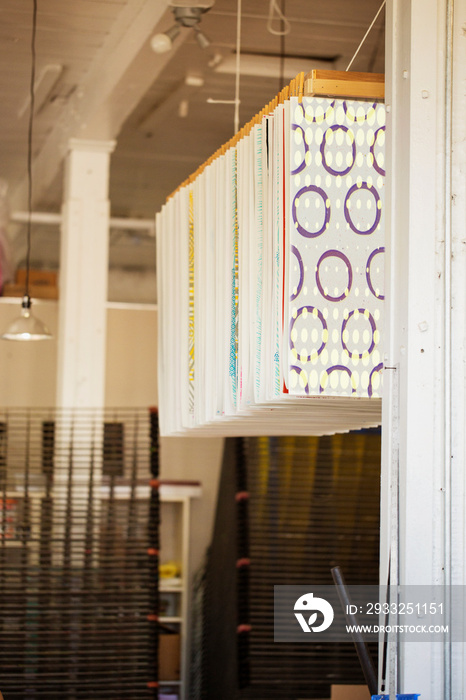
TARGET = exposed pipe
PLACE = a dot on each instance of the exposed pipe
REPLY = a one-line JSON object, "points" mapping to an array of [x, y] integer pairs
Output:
{"points": [[39, 217]]}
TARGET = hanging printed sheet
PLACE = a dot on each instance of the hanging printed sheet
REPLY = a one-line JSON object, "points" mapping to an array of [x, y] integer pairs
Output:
{"points": [[337, 247]]}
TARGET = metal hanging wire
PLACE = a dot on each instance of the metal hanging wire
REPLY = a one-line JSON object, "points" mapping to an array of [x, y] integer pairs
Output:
{"points": [[366, 35], [276, 14]]}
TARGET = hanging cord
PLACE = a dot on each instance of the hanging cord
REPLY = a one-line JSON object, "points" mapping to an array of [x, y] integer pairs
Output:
{"points": [[236, 101], [281, 79], [274, 9], [237, 72], [366, 35], [29, 155]]}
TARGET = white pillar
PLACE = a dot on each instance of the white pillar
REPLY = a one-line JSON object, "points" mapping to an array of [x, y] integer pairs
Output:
{"points": [[83, 276], [456, 536], [81, 332], [425, 333]]}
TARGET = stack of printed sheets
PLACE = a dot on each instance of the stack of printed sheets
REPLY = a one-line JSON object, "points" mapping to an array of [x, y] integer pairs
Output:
{"points": [[270, 266]]}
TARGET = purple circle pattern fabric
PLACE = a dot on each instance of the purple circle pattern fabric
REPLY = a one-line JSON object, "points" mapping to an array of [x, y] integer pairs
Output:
{"points": [[336, 289]]}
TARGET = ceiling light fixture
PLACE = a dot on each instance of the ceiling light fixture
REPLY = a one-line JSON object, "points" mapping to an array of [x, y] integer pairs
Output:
{"points": [[188, 17], [201, 38], [27, 327]]}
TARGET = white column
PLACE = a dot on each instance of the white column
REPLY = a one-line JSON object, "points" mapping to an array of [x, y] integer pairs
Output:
{"points": [[82, 332], [83, 275], [456, 222], [426, 306]]}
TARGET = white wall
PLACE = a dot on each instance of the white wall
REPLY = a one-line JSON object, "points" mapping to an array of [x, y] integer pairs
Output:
{"points": [[131, 365], [195, 459], [28, 370], [424, 404]]}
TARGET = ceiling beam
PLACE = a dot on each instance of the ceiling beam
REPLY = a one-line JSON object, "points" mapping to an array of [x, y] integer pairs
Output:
{"points": [[169, 108], [121, 73]]}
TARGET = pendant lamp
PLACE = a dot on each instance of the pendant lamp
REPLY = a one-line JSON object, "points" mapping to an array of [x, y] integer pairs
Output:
{"points": [[27, 326]]}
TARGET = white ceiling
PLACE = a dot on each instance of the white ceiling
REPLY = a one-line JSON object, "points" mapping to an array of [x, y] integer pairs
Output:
{"points": [[110, 84]]}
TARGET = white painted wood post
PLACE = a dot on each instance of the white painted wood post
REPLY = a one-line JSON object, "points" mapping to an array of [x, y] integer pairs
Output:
{"points": [[82, 325], [456, 536], [425, 332], [83, 276]]}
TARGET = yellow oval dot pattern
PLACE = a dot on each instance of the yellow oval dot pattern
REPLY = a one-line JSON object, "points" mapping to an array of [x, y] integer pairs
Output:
{"points": [[338, 345]]}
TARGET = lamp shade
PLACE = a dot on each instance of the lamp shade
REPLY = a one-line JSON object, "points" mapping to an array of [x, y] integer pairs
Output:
{"points": [[27, 326]]}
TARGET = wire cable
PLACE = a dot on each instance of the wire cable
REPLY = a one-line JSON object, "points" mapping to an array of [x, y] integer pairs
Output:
{"points": [[366, 35], [274, 9], [238, 69], [281, 81], [29, 145]]}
